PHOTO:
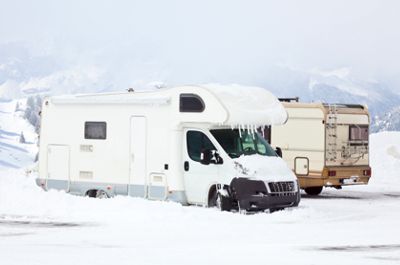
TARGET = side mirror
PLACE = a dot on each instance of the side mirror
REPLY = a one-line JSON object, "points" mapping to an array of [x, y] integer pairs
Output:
{"points": [[208, 156], [278, 151], [205, 157], [218, 160]]}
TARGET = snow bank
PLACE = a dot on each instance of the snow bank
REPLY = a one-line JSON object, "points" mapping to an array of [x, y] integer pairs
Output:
{"points": [[356, 225], [13, 154], [385, 161]]}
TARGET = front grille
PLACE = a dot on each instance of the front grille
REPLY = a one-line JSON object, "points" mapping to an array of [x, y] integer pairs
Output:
{"points": [[282, 186]]}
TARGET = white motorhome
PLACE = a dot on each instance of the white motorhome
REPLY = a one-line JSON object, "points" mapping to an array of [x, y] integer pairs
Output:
{"points": [[326, 145], [190, 144]]}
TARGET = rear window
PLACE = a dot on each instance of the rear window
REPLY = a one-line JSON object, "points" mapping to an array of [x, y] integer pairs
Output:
{"points": [[358, 133], [95, 130]]}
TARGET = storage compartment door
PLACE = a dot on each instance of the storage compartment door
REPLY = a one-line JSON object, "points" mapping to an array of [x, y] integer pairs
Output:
{"points": [[157, 186], [301, 166], [58, 167]]}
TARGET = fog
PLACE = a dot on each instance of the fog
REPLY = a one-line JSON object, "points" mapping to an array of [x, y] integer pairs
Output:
{"points": [[175, 42]]}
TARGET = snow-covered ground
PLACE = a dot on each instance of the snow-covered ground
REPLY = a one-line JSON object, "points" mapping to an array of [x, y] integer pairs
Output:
{"points": [[356, 225]]}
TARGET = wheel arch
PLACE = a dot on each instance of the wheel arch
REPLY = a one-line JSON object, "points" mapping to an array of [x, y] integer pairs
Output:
{"points": [[212, 189]]}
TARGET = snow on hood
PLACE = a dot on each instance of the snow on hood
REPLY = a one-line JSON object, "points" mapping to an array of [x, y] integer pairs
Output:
{"points": [[249, 105], [268, 168]]}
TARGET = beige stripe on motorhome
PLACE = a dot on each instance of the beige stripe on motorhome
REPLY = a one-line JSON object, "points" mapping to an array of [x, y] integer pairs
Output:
{"points": [[302, 149]]}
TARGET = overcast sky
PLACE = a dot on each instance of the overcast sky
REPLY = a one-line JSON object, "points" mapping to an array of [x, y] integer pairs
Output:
{"points": [[210, 40]]}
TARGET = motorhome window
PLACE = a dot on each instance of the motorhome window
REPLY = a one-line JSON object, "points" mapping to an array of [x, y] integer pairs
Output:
{"points": [[191, 103], [95, 130], [196, 143], [358, 133], [237, 143]]}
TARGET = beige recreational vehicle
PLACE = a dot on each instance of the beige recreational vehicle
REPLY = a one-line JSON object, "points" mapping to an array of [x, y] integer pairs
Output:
{"points": [[326, 145]]}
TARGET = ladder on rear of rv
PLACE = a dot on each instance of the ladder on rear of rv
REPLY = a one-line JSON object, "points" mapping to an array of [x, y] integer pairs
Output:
{"points": [[331, 133]]}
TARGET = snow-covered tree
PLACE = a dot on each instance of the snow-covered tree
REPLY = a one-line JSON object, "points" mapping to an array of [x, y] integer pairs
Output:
{"points": [[33, 108]]}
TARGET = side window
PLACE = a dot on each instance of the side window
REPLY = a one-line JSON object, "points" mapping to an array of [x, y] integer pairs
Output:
{"points": [[191, 103], [95, 130], [196, 142]]}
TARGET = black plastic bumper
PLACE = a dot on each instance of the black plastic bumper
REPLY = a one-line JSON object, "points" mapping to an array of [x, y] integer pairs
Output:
{"points": [[253, 195]]}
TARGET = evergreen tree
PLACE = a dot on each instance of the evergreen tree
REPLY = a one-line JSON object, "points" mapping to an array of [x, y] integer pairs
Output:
{"points": [[17, 107], [22, 138]]}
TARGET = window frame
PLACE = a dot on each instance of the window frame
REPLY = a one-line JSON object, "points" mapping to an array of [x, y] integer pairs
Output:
{"points": [[191, 95], [358, 127]]}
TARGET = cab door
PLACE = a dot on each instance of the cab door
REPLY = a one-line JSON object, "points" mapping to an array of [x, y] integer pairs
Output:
{"points": [[198, 177]]}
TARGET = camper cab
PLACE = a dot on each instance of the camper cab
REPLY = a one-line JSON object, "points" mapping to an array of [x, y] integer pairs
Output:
{"points": [[326, 145], [186, 144]]}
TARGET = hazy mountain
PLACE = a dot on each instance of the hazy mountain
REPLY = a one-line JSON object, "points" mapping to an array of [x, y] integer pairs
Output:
{"points": [[24, 72], [338, 86]]}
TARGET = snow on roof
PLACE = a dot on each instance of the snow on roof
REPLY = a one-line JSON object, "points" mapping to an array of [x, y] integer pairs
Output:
{"points": [[141, 98], [249, 105], [243, 105]]}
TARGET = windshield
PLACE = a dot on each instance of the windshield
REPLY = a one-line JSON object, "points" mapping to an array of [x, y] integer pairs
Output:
{"points": [[236, 144]]}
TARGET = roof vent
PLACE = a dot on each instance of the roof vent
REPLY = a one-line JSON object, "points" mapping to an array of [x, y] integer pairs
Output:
{"points": [[296, 99]]}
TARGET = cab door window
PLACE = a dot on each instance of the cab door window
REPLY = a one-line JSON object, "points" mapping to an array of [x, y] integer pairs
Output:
{"points": [[197, 142]]}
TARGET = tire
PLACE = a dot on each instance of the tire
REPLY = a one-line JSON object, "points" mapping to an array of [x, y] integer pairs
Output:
{"points": [[91, 193], [217, 200], [313, 191]]}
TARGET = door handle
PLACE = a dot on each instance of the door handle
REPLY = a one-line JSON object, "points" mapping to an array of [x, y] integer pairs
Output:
{"points": [[186, 166]]}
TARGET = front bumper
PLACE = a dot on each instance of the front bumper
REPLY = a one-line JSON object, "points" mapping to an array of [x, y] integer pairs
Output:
{"points": [[253, 195]]}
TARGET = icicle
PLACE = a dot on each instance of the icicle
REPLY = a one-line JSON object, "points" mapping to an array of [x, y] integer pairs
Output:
{"points": [[240, 131]]}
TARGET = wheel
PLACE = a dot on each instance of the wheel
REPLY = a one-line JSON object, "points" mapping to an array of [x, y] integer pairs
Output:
{"points": [[221, 202], [249, 151], [91, 193], [314, 191], [101, 194]]}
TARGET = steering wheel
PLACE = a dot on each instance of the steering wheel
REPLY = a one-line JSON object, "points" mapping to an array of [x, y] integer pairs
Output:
{"points": [[249, 150]]}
